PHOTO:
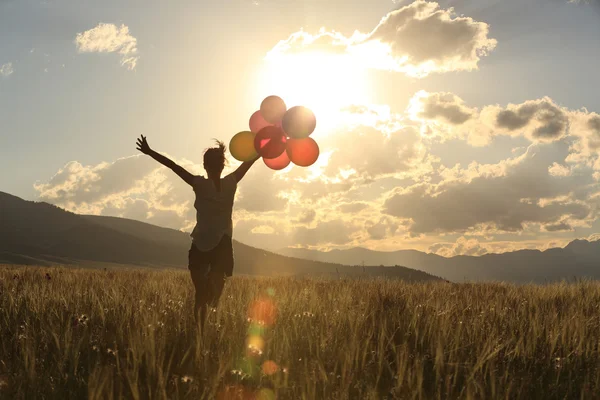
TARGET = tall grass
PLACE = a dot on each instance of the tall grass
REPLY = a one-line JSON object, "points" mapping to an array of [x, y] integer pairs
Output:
{"points": [[131, 334]]}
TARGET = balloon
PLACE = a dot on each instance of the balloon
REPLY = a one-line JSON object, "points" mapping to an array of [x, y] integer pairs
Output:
{"points": [[272, 109], [270, 141], [241, 146], [278, 163], [257, 122], [299, 122], [302, 152]]}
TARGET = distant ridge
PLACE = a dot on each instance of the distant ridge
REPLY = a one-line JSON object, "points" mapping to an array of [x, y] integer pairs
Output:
{"points": [[579, 259], [33, 233]]}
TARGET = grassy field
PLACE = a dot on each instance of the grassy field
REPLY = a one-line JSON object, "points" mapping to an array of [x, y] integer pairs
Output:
{"points": [[131, 334]]}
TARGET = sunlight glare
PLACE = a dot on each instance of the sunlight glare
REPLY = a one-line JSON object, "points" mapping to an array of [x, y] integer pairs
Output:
{"points": [[320, 81]]}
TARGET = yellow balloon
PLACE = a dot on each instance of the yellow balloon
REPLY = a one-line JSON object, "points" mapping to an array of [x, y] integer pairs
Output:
{"points": [[241, 146]]}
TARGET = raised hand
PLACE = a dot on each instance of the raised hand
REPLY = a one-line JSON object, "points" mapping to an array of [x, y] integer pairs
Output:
{"points": [[142, 145]]}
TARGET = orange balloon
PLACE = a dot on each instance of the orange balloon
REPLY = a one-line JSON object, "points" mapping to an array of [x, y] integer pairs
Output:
{"points": [[270, 141], [257, 122], [278, 163], [272, 109], [302, 152], [241, 146], [299, 122]]}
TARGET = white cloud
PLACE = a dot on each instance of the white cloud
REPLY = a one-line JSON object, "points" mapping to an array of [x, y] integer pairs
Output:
{"points": [[109, 38], [557, 169], [6, 70], [417, 40]]}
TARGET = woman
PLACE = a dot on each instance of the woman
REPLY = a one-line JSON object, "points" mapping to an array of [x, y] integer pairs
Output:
{"points": [[211, 254]]}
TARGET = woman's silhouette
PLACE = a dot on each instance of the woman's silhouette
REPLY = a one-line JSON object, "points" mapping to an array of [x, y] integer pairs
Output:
{"points": [[211, 254]]}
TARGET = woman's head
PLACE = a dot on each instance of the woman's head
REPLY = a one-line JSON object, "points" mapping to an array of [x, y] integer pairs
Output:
{"points": [[214, 158]]}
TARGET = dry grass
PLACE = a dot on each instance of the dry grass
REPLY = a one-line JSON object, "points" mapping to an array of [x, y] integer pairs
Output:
{"points": [[131, 334]]}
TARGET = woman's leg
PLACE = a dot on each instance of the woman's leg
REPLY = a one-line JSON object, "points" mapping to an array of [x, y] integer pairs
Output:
{"points": [[199, 267], [221, 268]]}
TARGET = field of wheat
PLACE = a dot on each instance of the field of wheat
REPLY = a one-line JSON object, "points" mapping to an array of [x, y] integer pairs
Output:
{"points": [[68, 333]]}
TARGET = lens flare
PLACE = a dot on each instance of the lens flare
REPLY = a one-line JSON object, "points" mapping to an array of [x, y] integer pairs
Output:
{"points": [[254, 346], [269, 367], [256, 329], [263, 311]]}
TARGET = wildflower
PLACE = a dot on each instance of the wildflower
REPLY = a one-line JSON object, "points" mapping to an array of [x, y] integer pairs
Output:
{"points": [[81, 320], [187, 379], [111, 352]]}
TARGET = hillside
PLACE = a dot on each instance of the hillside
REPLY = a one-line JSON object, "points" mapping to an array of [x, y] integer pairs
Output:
{"points": [[42, 234], [580, 259]]}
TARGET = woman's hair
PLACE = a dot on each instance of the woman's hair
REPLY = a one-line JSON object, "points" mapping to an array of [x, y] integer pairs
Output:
{"points": [[214, 157]]}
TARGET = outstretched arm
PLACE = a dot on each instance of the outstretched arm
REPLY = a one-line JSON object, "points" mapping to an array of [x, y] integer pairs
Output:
{"points": [[242, 169], [142, 145]]}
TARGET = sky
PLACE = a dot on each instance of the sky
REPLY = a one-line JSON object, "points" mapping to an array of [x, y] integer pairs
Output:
{"points": [[458, 127]]}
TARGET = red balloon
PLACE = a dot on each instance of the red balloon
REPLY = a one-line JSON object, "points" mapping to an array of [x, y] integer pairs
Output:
{"points": [[272, 109], [257, 122], [302, 152], [299, 122], [270, 141], [278, 163]]}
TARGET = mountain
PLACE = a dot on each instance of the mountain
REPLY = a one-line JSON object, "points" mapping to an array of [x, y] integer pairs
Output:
{"points": [[42, 234], [579, 259]]}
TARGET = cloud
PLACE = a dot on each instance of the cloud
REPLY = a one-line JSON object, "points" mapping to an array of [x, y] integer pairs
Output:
{"points": [[444, 106], [462, 247], [307, 216], [378, 185], [510, 196], [446, 116], [6, 70], [422, 38], [365, 152], [109, 38], [417, 40], [131, 187], [538, 119], [352, 208], [261, 191], [557, 169], [384, 228]]}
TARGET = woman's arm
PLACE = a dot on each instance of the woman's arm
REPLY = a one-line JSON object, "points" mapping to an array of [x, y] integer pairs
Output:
{"points": [[142, 145], [242, 169]]}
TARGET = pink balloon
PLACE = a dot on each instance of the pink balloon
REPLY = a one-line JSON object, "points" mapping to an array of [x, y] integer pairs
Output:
{"points": [[257, 122], [278, 163], [272, 109]]}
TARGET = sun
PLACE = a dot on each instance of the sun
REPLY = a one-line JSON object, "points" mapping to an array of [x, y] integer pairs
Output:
{"points": [[324, 82]]}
